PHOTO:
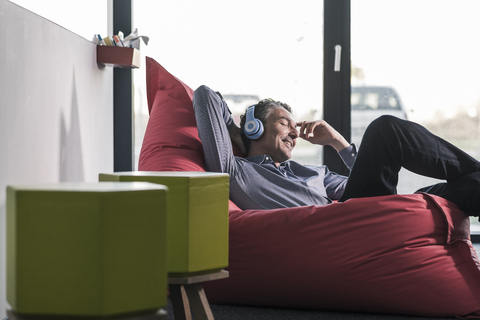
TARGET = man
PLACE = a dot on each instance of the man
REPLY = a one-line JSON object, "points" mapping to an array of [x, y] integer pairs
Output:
{"points": [[268, 179]]}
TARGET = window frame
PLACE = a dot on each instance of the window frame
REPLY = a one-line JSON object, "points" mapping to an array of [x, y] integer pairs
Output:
{"points": [[336, 84]]}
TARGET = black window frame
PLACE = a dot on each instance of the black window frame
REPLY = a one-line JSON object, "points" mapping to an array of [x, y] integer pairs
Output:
{"points": [[123, 117], [336, 84]]}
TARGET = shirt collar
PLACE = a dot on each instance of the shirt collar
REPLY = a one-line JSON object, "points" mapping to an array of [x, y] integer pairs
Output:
{"points": [[264, 159], [261, 159]]}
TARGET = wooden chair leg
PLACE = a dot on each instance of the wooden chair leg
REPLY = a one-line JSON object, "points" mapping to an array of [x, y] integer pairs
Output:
{"points": [[180, 304], [188, 296], [198, 302]]}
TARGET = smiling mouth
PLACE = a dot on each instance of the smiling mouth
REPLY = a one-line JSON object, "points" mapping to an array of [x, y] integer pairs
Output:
{"points": [[289, 144]]}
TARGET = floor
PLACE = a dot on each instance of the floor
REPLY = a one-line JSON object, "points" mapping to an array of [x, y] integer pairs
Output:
{"points": [[224, 312]]}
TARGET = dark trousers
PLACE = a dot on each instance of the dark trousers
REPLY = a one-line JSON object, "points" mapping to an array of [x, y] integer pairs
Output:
{"points": [[390, 143]]}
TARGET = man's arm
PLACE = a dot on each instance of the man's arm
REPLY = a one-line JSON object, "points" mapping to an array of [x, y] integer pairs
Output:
{"points": [[334, 183], [213, 122], [236, 137], [321, 133]]}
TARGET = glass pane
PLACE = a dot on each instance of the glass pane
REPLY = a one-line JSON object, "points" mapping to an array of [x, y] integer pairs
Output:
{"points": [[247, 50], [418, 59]]}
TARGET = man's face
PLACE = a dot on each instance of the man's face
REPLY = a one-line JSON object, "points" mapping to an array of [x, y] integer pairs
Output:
{"points": [[280, 136]]}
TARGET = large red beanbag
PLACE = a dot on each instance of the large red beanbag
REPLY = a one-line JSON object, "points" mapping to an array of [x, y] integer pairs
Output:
{"points": [[171, 140], [402, 254]]}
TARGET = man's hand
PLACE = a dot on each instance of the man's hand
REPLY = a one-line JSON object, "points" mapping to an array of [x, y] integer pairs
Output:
{"points": [[236, 137], [320, 132]]}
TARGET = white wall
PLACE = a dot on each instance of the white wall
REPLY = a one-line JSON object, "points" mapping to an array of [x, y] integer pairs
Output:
{"points": [[85, 18], [56, 108]]}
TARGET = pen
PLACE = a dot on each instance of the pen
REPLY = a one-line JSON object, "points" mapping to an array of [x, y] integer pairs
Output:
{"points": [[100, 40]]}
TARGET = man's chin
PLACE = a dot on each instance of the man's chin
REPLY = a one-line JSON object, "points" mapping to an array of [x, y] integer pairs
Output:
{"points": [[287, 157]]}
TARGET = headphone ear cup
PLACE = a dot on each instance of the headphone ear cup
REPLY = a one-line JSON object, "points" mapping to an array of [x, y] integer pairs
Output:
{"points": [[258, 131], [253, 128]]}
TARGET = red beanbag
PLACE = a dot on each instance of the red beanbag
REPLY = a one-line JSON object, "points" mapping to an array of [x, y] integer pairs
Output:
{"points": [[171, 140], [402, 254]]}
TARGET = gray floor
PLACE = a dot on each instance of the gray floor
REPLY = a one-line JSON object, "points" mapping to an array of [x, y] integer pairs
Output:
{"points": [[224, 312]]}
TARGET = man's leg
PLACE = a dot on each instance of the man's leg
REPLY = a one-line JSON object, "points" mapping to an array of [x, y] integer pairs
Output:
{"points": [[464, 192], [389, 144]]}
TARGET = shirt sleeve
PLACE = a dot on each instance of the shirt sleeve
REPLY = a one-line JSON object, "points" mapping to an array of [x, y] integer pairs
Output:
{"points": [[213, 120], [335, 183], [348, 155]]}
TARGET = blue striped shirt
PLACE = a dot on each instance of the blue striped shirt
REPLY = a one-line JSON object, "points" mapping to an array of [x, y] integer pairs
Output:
{"points": [[255, 182]]}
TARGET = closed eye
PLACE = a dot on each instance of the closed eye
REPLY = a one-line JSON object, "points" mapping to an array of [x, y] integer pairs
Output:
{"points": [[284, 121]]}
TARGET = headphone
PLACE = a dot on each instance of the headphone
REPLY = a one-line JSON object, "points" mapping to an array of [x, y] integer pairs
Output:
{"points": [[253, 128]]}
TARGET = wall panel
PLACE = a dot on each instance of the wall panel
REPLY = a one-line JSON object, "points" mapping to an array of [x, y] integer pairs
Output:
{"points": [[56, 108]]}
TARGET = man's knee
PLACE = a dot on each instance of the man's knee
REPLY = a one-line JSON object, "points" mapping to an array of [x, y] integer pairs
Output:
{"points": [[385, 121], [382, 124]]}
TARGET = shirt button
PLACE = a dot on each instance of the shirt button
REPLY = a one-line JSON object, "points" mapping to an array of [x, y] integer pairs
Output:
{"points": [[353, 154], [266, 158]]}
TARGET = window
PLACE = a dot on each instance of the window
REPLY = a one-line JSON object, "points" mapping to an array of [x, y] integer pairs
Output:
{"points": [[247, 50], [427, 51]]}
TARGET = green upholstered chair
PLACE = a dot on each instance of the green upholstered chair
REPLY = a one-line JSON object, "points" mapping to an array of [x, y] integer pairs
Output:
{"points": [[197, 218], [86, 249]]}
